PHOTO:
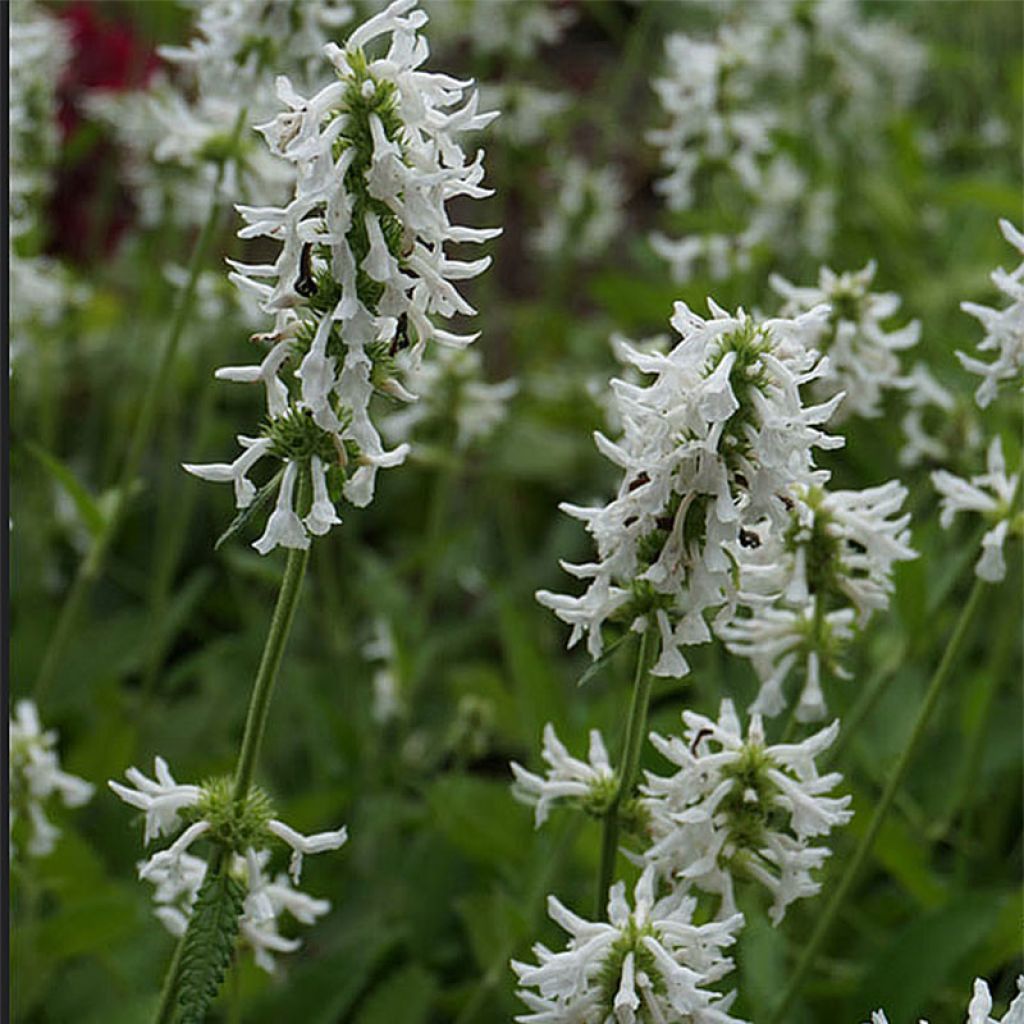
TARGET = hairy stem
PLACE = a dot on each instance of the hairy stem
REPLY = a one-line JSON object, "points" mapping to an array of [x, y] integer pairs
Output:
{"points": [[839, 894], [636, 728]]}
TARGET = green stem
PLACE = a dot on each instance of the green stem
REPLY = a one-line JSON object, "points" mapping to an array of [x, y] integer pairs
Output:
{"points": [[168, 994], [273, 650], [839, 894], [636, 726], [91, 567]]}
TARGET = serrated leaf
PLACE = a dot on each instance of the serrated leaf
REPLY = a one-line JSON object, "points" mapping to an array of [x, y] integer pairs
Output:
{"points": [[88, 507], [209, 944], [263, 496], [603, 660]]}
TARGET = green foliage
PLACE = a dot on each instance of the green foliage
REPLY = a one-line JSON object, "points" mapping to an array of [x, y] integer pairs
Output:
{"points": [[209, 943]]}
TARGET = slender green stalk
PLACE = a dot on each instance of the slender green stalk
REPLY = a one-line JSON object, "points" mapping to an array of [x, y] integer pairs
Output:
{"points": [[636, 728], [168, 994], [839, 894], [91, 567], [266, 676]]}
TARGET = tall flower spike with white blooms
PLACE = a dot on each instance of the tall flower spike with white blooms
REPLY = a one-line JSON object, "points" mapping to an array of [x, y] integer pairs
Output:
{"points": [[711, 446], [994, 495], [362, 268], [646, 963], [1004, 328], [804, 588], [35, 775], [979, 1010], [863, 358], [591, 784], [739, 808], [245, 834]]}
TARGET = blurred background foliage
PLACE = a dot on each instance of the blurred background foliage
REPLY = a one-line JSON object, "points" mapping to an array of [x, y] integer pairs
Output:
{"points": [[444, 878]]}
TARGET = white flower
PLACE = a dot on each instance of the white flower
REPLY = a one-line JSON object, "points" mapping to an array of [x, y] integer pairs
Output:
{"points": [[646, 963], [992, 494], [161, 798], [742, 808], [1004, 328], [711, 445], [591, 783], [979, 1010], [177, 875], [35, 775], [362, 269], [302, 845], [862, 354], [937, 425]]}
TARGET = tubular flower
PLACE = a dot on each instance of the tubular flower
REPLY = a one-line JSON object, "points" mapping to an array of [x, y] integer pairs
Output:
{"points": [[738, 807], [362, 266], [862, 354], [35, 775], [710, 447], [994, 495], [592, 783], [1004, 328], [803, 589], [979, 1010], [648, 962], [245, 834]]}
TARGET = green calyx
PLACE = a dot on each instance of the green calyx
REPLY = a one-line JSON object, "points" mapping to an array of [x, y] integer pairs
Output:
{"points": [[234, 826], [823, 551], [749, 806], [601, 796], [750, 343], [630, 941], [296, 437]]}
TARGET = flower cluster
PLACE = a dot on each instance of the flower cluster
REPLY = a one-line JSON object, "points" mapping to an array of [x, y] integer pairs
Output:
{"points": [[1004, 328], [774, 78], [586, 214], [35, 775], [648, 962], [862, 354], [361, 270], [591, 784], [937, 425], [979, 1009], [803, 589], [993, 494], [710, 451], [185, 125], [739, 807], [244, 834]]}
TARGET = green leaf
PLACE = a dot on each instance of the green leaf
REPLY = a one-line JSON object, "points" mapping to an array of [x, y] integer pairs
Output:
{"points": [[263, 496], [209, 943], [88, 507]]}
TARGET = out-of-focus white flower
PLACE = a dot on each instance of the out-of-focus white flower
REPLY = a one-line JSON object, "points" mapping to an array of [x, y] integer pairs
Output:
{"points": [[936, 426], [388, 702], [512, 30], [450, 385], [739, 808], [862, 354], [712, 445], [979, 1010], [1004, 328], [586, 213], [648, 962], [993, 495], [245, 833], [34, 774], [526, 109], [591, 784], [362, 267]]}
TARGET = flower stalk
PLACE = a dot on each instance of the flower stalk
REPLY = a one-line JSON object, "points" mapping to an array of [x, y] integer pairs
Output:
{"points": [[636, 728], [856, 861]]}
